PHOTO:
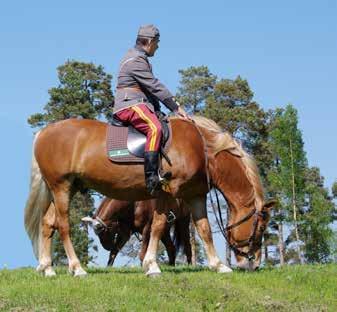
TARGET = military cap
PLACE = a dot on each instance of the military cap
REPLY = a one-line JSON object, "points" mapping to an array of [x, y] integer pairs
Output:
{"points": [[148, 31]]}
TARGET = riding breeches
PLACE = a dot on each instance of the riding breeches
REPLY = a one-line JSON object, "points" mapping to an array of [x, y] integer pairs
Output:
{"points": [[145, 121]]}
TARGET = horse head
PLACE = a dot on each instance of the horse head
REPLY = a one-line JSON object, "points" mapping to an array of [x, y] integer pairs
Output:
{"points": [[245, 234], [107, 224], [235, 174]]}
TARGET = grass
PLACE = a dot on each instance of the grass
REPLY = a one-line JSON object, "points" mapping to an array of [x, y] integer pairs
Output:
{"points": [[293, 288]]}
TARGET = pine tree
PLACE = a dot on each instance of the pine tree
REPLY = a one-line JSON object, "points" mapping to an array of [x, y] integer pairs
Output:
{"points": [[84, 91], [196, 85]]}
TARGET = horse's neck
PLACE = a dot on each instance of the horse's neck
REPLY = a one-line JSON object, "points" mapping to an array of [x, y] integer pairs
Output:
{"points": [[229, 175]]}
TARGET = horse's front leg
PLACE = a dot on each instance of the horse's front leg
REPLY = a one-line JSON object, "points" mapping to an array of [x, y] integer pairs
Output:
{"points": [[199, 215], [170, 248], [120, 242], [150, 264]]}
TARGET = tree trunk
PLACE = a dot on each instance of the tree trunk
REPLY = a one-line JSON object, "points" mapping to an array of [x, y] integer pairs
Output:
{"points": [[300, 256], [193, 247], [280, 243]]}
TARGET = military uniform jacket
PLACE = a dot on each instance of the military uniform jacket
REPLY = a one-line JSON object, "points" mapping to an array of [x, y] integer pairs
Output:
{"points": [[136, 83]]}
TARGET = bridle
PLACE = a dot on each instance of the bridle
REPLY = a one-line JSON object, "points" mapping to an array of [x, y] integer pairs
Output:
{"points": [[225, 230], [109, 228], [254, 213]]}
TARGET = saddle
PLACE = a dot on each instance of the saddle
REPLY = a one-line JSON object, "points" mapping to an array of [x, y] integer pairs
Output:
{"points": [[127, 144]]}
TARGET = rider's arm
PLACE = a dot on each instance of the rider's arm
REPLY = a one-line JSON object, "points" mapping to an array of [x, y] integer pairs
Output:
{"points": [[142, 73]]}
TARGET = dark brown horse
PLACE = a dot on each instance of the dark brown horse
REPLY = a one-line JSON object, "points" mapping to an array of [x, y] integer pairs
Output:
{"points": [[116, 220], [71, 154]]}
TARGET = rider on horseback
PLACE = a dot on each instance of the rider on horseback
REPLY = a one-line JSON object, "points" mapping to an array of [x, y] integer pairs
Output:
{"points": [[137, 99]]}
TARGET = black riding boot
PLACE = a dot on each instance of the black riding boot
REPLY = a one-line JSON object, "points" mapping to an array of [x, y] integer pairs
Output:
{"points": [[151, 166]]}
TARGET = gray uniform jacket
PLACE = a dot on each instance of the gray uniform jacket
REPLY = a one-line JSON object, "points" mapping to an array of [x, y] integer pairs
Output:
{"points": [[136, 83]]}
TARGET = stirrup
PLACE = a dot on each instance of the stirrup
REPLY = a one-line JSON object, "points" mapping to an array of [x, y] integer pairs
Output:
{"points": [[165, 180]]}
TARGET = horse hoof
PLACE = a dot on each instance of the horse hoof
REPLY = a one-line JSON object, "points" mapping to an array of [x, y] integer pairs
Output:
{"points": [[152, 269], [224, 269], [46, 270], [40, 268], [49, 272], [79, 272], [153, 275]]}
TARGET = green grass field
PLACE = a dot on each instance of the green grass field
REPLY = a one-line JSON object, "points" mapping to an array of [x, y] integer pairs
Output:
{"points": [[293, 288]]}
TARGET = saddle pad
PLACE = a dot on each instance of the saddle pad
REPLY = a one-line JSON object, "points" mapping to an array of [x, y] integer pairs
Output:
{"points": [[116, 144]]}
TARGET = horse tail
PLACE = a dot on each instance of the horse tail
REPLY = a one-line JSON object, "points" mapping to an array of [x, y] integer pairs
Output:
{"points": [[38, 201]]}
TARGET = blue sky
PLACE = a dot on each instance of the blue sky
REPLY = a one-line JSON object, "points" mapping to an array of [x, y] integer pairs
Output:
{"points": [[285, 49]]}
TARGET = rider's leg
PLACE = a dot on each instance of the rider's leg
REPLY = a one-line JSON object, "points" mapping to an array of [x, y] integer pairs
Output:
{"points": [[144, 120]]}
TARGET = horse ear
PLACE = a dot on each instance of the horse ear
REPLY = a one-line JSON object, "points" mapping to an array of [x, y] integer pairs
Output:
{"points": [[269, 204]]}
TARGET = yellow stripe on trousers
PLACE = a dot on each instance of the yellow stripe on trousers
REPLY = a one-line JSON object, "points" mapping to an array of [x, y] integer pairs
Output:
{"points": [[151, 125]]}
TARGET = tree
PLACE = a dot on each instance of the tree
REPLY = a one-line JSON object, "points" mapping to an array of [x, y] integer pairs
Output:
{"points": [[318, 215], [84, 90], [334, 190], [196, 85], [287, 174], [232, 107]]}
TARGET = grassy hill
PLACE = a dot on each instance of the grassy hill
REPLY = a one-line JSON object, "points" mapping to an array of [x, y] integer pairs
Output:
{"points": [[293, 288]]}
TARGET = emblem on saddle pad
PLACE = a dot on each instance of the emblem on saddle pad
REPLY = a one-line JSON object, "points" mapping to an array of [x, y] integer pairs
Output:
{"points": [[118, 153]]}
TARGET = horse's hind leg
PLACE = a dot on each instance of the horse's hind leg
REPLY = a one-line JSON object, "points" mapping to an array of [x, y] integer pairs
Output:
{"points": [[48, 229], [199, 215], [61, 200], [145, 241]]}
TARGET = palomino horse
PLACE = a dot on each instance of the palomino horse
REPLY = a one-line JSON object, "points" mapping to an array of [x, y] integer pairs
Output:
{"points": [[71, 154], [116, 220]]}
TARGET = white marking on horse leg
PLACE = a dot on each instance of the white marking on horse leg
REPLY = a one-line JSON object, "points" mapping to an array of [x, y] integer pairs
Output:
{"points": [[150, 265], [47, 230]]}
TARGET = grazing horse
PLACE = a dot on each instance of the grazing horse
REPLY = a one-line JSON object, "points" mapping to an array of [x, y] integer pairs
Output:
{"points": [[71, 154], [116, 220]]}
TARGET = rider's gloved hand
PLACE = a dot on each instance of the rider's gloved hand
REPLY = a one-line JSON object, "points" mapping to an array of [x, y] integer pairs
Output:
{"points": [[181, 113]]}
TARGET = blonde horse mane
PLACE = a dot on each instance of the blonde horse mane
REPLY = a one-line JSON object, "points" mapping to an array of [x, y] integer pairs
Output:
{"points": [[218, 140]]}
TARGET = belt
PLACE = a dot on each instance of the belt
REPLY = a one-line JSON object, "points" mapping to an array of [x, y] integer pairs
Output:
{"points": [[130, 88], [135, 101]]}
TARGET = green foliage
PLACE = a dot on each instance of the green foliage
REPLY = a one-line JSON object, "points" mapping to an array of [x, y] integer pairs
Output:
{"points": [[334, 190], [231, 105], [318, 214], [289, 158], [292, 288], [196, 84], [286, 176], [84, 90]]}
